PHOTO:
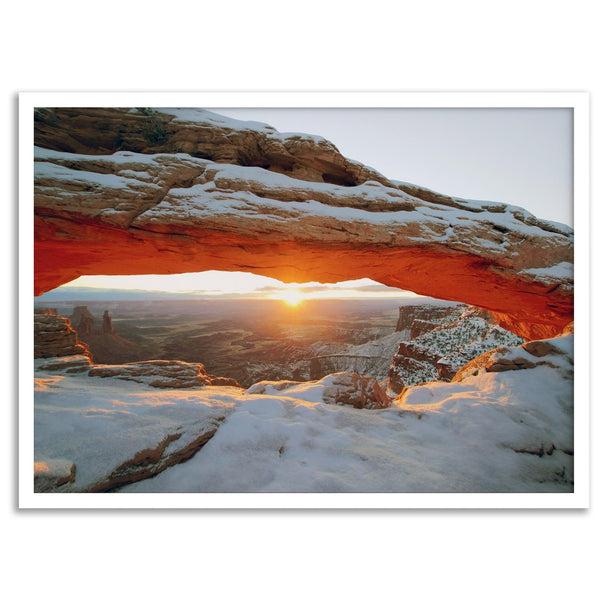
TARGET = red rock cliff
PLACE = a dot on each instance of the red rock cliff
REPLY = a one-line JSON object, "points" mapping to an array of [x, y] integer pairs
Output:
{"points": [[126, 191]]}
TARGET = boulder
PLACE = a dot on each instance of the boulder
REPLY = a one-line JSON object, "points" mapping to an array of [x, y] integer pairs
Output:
{"points": [[354, 390]]}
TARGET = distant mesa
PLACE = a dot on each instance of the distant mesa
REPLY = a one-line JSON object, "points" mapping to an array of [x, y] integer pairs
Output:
{"points": [[84, 323], [137, 191], [57, 342], [103, 341]]}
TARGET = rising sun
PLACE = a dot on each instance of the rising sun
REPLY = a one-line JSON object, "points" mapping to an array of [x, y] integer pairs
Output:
{"points": [[291, 297]]}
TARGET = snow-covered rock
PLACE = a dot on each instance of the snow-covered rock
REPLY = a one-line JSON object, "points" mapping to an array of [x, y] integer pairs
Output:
{"points": [[51, 474], [116, 431], [439, 347], [346, 388], [556, 353], [178, 191], [162, 374], [503, 431], [525, 405]]}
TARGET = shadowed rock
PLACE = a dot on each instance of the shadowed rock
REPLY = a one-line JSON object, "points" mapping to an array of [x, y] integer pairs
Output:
{"points": [[50, 474], [54, 336]]}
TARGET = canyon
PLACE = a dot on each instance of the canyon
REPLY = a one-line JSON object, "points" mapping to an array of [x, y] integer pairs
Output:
{"points": [[472, 392], [503, 424], [116, 427], [252, 340]]}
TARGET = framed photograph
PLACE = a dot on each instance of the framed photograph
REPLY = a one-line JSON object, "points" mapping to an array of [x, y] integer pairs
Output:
{"points": [[304, 300]]}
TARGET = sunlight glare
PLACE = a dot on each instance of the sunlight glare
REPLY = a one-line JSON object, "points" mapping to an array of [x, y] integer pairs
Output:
{"points": [[292, 296]]}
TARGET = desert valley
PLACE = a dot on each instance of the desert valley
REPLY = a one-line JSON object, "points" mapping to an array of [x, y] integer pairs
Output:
{"points": [[466, 387]]}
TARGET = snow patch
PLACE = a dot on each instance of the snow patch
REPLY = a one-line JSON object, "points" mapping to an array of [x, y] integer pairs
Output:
{"points": [[496, 432]]}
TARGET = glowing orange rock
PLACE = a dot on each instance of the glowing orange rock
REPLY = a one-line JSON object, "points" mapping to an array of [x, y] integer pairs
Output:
{"points": [[135, 213]]}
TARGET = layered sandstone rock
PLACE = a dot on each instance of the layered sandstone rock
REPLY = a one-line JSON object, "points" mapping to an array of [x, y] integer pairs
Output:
{"points": [[163, 374], [54, 336], [201, 134], [76, 363], [414, 316], [439, 347], [173, 374], [120, 191]]}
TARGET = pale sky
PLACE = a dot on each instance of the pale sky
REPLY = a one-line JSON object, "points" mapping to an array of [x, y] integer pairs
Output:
{"points": [[229, 284], [520, 156]]}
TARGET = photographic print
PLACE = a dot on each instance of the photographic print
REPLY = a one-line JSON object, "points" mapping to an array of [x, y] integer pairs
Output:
{"points": [[324, 304]]}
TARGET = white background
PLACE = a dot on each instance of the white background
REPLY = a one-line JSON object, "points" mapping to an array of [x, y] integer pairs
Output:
{"points": [[269, 46]]}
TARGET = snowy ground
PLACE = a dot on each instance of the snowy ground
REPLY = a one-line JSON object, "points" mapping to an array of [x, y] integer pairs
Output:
{"points": [[495, 432]]}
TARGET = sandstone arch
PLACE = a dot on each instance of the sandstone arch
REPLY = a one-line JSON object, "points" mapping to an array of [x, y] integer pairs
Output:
{"points": [[122, 191]]}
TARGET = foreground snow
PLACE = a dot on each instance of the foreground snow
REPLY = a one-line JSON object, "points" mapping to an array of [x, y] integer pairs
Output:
{"points": [[506, 431]]}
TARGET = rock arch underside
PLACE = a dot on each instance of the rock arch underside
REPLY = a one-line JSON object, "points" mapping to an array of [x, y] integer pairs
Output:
{"points": [[136, 191]]}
